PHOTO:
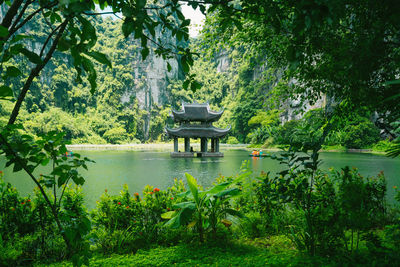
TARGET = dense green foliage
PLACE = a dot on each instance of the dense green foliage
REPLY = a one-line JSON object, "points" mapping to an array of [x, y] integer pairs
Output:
{"points": [[213, 255], [334, 60], [29, 233], [252, 92], [281, 215]]}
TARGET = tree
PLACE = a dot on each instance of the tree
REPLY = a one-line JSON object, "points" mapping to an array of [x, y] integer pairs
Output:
{"points": [[345, 50], [70, 31]]}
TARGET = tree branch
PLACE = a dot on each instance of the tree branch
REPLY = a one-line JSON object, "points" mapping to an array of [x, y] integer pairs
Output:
{"points": [[12, 11], [48, 39], [21, 13], [47, 21], [28, 18], [35, 72], [8, 149]]}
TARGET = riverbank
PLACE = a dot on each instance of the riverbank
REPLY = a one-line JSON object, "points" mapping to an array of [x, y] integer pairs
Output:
{"points": [[147, 147], [337, 148], [196, 146]]}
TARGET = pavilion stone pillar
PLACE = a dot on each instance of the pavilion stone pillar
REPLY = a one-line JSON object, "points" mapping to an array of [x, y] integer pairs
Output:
{"points": [[216, 144], [212, 144], [175, 144], [203, 144], [187, 144]]}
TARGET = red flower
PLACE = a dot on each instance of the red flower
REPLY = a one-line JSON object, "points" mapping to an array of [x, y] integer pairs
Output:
{"points": [[22, 203], [28, 200], [119, 203], [105, 190], [136, 194], [172, 198], [127, 207], [150, 193], [156, 190]]}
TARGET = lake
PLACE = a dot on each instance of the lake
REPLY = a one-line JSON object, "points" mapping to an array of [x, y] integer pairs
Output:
{"points": [[140, 168]]}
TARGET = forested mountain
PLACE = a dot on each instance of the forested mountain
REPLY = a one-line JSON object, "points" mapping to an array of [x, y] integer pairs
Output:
{"points": [[126, 106], [133, 100]]}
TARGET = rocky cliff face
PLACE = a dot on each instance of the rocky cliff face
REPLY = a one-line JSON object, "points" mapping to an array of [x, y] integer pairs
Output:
{"points": [[293, 109], [152, 78]]}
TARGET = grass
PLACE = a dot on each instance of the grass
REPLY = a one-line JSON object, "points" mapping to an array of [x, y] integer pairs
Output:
{"points": [[260, 253]]}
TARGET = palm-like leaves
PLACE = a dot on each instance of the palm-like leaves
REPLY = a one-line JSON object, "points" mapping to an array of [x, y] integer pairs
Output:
{"points": [[394, 150], [204, 208]]}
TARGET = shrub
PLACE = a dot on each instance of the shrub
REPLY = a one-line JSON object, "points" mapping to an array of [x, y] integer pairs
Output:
{"points": [[232, 140], [28, 231], [361, 135], [332, 209], [382, 146], [116, 135], [134, 222], [16, 213]]}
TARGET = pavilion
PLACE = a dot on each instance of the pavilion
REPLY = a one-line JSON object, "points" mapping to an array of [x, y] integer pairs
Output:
{"points": [[195, 121]]}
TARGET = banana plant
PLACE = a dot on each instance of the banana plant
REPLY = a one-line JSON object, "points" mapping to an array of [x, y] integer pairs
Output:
{"points": [[205, 209]]}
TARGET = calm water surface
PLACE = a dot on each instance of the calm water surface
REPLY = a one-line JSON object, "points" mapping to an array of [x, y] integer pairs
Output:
{"points": [[138, 169]]}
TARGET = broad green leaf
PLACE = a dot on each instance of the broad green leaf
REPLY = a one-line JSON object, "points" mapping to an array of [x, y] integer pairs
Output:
{"points": [[140, 4], [168, 215], [17, 167], [100, 57], [193, 187], [218, 188], [63, 45], [392, 82], [145, 52], [128, 26], [184, 194], [3, 31], [88, 32], [394, 150], [13, 71], [20, 37], [185, 65], [92, 76], [186, 84], [45, 161], [169, 66], [174, 222], [229, 192], [180, 15], [62, 179], [151, 28], [182, 218], [34, 58], [185, 23], [235, 213], [185, 205], [5, 91]]}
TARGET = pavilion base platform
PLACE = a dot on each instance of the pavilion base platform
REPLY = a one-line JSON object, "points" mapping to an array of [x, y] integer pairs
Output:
{"points": [[210, 154], [196, 154], [183, 154]]}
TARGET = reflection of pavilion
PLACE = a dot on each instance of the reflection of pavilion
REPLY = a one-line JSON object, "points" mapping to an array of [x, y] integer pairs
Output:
{"points": [[196, 122]]}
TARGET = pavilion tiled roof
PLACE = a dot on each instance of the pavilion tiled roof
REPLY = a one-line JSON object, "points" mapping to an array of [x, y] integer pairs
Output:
{"points": [[196, 112]]}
